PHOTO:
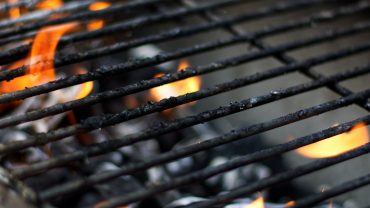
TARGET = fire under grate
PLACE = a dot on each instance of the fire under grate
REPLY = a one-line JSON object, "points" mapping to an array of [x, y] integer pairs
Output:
{"points": [[127, 27]]}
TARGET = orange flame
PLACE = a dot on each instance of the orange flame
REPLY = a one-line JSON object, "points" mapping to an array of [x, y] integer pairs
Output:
{"points": [[45, 44], [338, 144], [181, 87], [258, 203], [43, 49], [14, 12], [41, 57], [42, 52], [97, 24]]}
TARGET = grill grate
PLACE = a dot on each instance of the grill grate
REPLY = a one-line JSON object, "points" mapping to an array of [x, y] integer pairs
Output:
{"points": [[17, 30]]}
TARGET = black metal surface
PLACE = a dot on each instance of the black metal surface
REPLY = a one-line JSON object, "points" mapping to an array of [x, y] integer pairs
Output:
{"points": [[80, 16], [288, 175], [167, 35], [15, 32], [97, 122], [137, 64], [192, 149], [223, 64], [335, 191], [290, 60], [69, 7], [163, 128]]}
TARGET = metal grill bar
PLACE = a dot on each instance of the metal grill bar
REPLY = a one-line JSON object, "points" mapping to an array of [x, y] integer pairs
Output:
{"points": [[162, 128], [192, 149], [335, 191], [213, 22], [314, 75], [285, 176], [123, 26], [167, 35], [360, 27], [37, 15], [87, 15], [278, 8], [186, 32], [59, 108], [290, 60], [20, 188], [111, 119], [4, 7]]}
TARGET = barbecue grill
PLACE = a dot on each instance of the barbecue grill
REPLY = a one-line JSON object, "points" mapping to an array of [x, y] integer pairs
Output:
{"points": [[252, 56]]}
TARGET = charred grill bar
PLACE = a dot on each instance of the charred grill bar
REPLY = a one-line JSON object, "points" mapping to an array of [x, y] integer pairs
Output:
{"points": [[286, 176], [290, 60], [93, 123], [182, 123], [173, 33], [18, 29], [191, 178], [7, 6]]}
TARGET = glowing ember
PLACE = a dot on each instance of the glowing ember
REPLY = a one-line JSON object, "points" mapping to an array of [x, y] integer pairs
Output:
{"points": [[84, 88], [97, 24], [258, 203], [181, 87], [99, 6], [14, 12], [336, 145], [50, 4], [289, 204]]}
